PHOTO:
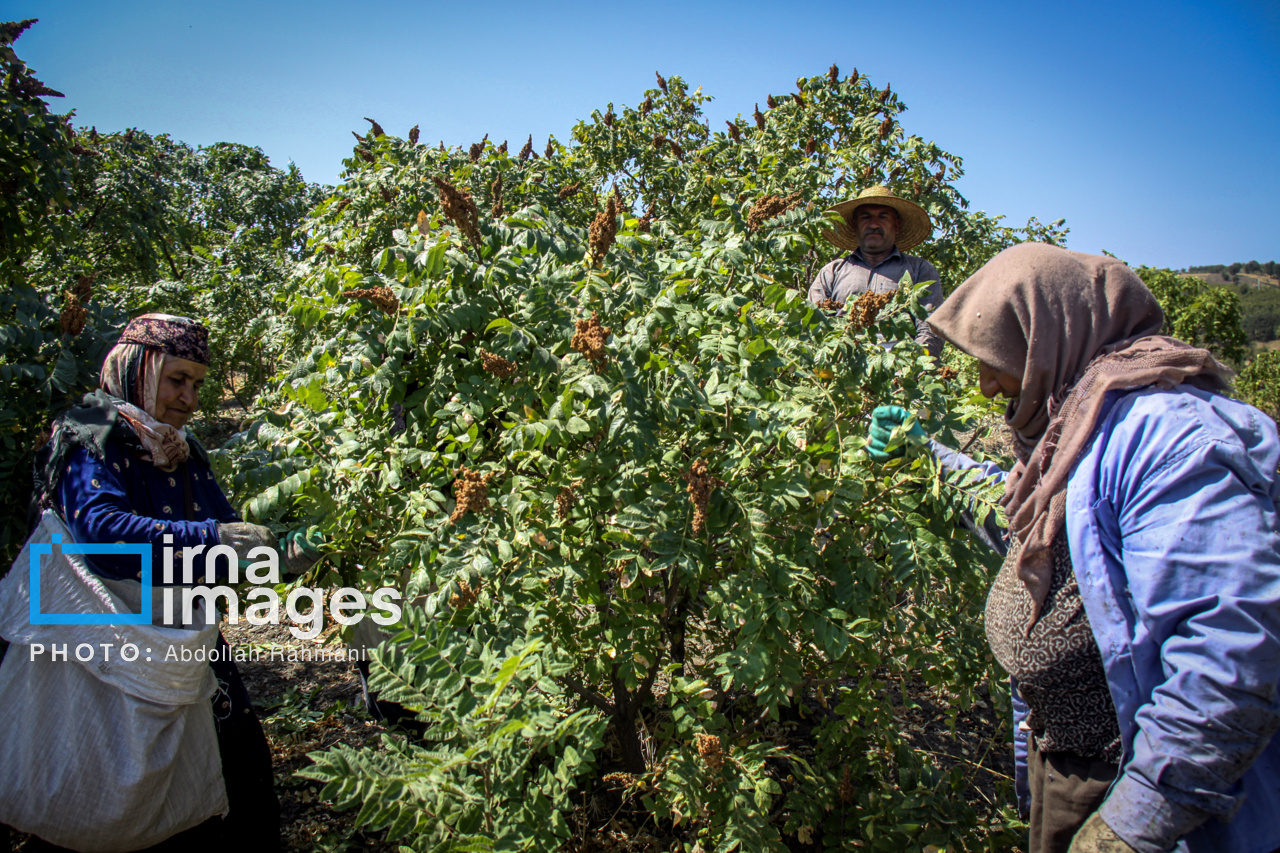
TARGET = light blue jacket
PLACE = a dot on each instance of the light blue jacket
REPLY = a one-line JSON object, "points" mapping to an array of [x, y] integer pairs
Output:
{"points": [[1174, 534]]}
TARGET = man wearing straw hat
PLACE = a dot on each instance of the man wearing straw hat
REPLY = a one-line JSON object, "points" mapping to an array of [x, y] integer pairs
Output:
{"points": [[877, 227]]}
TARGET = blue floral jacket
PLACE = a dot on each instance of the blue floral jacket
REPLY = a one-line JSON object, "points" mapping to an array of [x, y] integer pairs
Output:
{"points": [[121, 498]]}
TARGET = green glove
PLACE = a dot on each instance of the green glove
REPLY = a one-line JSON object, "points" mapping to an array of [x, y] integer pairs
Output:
{"points": [[884, 420], [1096, 837], [301, 549]]}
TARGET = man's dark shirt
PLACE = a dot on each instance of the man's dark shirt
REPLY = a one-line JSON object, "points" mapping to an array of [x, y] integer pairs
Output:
{"points": [[851, 276]]}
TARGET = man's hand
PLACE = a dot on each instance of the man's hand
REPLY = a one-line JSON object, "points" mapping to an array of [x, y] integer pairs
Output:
{"points": [[1096, 837], [301, 549], [884, 420]]}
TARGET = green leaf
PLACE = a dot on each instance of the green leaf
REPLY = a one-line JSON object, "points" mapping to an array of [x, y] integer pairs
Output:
{"points": [[64, 371]]}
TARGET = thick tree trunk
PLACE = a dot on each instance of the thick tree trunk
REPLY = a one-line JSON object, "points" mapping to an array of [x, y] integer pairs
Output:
{"points": [[629, 742]]}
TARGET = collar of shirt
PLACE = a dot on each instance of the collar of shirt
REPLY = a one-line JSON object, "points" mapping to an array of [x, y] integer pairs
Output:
{"points": [[858, 256]]}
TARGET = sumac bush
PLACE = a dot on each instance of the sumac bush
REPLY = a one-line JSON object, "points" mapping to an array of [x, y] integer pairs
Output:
{"points": [[53, 334], [1259, 382], [576, 405], [1197, 313]]}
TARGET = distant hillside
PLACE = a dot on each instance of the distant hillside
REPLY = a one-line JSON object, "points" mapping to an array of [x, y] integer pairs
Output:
{"points": [[1259, 307], [1240, 278], [1258, 291], [1210, 277], [1270, 268], [1248, 280], [1243, 274]]}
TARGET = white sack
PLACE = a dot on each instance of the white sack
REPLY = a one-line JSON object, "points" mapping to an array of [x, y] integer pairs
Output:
{"points": [[103, 756]]}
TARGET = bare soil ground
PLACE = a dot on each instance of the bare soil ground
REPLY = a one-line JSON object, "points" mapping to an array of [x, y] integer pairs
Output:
{"points": [[305, 706]]}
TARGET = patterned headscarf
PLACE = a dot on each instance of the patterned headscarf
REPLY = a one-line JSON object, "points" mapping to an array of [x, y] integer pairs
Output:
{"points": [[1073, 327], [177, 336], [131, 373]]}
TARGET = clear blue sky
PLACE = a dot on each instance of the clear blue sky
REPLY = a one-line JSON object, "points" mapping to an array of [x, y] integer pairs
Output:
{"points": [[1153, 128]]}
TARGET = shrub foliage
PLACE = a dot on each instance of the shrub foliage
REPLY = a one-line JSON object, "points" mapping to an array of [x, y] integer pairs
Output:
{"points": [[575, 403], [1259, 382], [1197, 313]]}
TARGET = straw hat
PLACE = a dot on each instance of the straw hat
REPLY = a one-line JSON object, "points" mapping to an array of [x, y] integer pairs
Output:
{"points": [[914, 229]]}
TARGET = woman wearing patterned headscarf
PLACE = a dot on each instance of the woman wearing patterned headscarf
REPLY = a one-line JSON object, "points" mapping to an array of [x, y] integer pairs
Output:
{"points": [[1138, 609], [121, 467]]}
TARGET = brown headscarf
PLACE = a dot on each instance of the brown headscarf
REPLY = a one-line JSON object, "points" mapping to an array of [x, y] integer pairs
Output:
{"points": [[1074, 327]]}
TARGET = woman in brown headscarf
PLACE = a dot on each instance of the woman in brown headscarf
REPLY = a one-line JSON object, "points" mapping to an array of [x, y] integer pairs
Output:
{"points": [[1138, 610]]}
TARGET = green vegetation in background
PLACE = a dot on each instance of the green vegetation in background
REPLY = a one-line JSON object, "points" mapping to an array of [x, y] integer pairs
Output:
{"points": [[1225, 320], [1269, 268], [1260, 312], [99, 227], [51, 343], [1198, 313], [1259, 382]]}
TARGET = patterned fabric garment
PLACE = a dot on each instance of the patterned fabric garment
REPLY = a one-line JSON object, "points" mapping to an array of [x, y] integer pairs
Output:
{"points": [[177, 336], [1056, 663], [121, 498], [132, 374]]}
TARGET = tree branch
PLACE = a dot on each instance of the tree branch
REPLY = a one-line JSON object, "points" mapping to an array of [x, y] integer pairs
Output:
{"points": [[172, 266], [587, 694]]}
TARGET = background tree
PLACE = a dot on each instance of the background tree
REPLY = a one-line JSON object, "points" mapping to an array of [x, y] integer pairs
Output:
{"points": [[51, 339], [1261, 325], [1197, 313], [35, 161], [209, 232], [1260, 311], [99, 227]]}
